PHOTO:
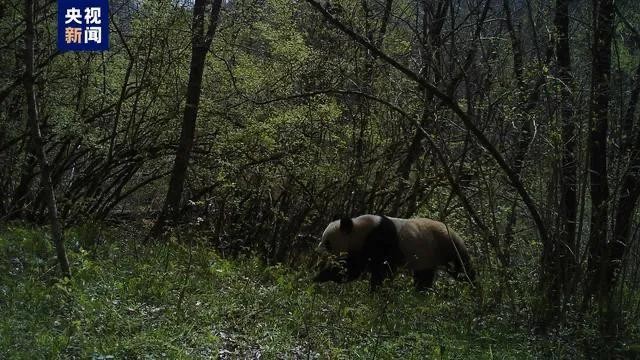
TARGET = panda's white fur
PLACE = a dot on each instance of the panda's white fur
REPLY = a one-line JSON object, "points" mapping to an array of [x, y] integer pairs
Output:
{"points": [[423, 244]]}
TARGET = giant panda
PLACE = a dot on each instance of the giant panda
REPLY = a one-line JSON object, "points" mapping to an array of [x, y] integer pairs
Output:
{"points": [[379, 244]]}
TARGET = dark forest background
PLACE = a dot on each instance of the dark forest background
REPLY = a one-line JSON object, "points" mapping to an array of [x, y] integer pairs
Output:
{"points": [[251, 124]]}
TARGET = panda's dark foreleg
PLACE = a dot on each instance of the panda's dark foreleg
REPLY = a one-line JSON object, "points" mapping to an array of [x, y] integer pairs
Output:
{"points": [[423, 279], [328, 274], [378, 274], [377, 278], [380, 270], [355, 265], [340, 270]]}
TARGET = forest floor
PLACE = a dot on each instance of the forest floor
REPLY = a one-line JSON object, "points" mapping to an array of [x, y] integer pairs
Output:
{"points": [[173, 301]]}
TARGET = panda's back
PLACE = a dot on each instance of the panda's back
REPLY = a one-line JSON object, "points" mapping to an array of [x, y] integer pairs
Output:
{"points": [[420, 242]]}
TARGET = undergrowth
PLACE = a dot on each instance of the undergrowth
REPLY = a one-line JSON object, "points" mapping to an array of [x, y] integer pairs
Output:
{"points": [[181, 299]]}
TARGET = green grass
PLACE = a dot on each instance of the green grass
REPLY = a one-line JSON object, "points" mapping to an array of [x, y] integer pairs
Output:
{"points": [[176, 301]]}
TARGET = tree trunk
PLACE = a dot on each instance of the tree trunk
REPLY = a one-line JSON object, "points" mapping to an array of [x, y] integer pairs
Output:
{"points": [[598, 127], [627, 201], [433, 21], [525, 134], [36, 138], [560, 262], [199, 49]]}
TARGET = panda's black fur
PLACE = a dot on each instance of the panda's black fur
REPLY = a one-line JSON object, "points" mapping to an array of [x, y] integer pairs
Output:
{"points": [[372, 245], [379, 255]]}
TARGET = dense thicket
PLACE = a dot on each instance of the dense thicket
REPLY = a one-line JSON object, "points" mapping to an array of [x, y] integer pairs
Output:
{"points": [[515, 120]]}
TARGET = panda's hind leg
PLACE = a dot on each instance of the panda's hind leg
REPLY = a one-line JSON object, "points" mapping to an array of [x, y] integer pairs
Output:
{"points": [[423, 279]]}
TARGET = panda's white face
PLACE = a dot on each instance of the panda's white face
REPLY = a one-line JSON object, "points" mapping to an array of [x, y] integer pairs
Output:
{"points": [[335, 241]]}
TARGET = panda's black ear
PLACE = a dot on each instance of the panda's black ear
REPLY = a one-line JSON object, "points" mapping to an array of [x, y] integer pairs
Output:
{"points": [[346, 225]]}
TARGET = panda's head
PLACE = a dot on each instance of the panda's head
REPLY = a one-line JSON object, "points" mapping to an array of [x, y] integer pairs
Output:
{"points": [[340, 241], [347, 235]]}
